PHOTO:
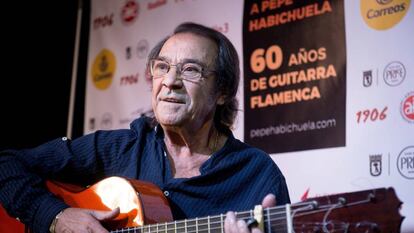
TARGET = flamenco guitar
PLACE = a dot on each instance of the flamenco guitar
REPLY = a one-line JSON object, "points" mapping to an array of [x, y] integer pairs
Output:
{"points": [[145, 209]]}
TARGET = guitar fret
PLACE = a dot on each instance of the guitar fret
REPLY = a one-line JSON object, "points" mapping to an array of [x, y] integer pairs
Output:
{"points": [[221, 223], [269, 230], [208, 223], [289, 219]]}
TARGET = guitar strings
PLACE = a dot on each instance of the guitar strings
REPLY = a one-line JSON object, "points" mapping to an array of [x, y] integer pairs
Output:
{"points": [[302, 227], [272, 216], [309, 226], [245, 215]]}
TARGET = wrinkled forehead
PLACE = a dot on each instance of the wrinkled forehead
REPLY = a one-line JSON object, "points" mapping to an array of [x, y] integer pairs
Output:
{"points": [[189, 46]]}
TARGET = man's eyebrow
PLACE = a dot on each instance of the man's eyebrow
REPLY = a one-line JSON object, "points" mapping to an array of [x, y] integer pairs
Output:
{"points": [[163, 58], [186, 60], [196, 61]]}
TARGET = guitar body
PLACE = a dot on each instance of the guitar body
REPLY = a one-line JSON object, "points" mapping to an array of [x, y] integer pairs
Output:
{"points": [[9, 224], [140, 202]]}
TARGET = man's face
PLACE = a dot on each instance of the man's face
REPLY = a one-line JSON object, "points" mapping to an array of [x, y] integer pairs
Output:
{"points": [[181, 103]]}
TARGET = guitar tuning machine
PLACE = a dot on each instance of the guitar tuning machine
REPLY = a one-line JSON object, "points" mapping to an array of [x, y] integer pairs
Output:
{"points": [[314, 205], [341, 200], [373, 227], [371, 197]]}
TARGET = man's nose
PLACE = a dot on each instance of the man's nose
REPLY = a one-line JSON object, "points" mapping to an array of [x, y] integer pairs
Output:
{"points": [[172, 79]]}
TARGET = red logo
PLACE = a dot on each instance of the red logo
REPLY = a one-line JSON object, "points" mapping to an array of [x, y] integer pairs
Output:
{"points": [[130, 11], [158, 3], [129, 79], [407, 107], [103, 21], [304, 196]]}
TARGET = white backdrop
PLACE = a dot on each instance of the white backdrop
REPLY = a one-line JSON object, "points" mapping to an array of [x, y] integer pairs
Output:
{"points": [[379, 149]]}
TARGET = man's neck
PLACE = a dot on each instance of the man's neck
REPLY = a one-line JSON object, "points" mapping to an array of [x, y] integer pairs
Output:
{"points": [[188, 149]]}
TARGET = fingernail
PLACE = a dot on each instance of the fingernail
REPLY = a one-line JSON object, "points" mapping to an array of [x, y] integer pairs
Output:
{"points": [[231, 216], [240, 223]]}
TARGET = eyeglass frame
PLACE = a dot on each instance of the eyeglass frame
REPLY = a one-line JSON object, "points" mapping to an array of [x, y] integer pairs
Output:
{"points": [[203, 73]]}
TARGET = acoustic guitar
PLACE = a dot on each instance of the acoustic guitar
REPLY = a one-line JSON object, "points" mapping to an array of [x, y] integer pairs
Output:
{"points": [[145, 209]]}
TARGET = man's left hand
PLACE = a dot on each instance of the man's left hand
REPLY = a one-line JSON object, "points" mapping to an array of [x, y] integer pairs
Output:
{"points": [[232, 225]]}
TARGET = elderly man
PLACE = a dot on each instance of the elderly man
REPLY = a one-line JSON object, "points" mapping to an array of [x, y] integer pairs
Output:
{"points": [[187, 149]]}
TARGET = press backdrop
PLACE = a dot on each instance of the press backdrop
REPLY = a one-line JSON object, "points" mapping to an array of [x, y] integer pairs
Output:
{"points": [[327, 87]]}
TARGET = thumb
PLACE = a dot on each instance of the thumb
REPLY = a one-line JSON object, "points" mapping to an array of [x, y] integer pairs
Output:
{"points": [[269, 201], [103, 215]]}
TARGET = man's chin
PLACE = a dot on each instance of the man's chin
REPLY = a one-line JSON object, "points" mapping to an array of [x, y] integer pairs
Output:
{"points": [[170, 122]]}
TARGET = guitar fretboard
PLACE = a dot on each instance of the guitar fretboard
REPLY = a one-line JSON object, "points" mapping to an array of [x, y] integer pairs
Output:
{"points": [[274, 217]]}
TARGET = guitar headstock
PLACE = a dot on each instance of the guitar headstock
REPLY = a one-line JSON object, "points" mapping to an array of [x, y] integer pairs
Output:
{"points": [[375, 210]]}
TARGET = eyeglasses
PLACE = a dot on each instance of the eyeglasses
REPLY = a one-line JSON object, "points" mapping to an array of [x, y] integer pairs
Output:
{"points": [[189, 71]]}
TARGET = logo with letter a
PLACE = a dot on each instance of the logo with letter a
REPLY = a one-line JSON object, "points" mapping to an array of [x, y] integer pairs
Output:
{"points": [[407, 107]]}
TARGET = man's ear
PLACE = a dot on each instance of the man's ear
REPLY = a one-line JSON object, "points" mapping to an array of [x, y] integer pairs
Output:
{"points": [[221, 99]]}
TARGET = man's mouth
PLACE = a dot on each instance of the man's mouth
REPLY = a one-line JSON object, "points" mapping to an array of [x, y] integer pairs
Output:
{"points": [[172, 100]]}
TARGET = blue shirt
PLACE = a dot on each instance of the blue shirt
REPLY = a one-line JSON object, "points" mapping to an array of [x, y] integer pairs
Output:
{"points": [[236, 177]]}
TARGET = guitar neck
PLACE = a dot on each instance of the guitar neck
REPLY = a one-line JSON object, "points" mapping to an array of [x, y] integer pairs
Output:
{"points": [[273, 218]]}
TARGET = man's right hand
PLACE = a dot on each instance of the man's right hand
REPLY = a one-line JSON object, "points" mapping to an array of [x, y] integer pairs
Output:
{"points": [[83, 220]]}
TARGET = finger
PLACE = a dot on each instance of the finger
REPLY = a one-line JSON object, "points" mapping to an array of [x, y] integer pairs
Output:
{"points": [[230, 222], [96, 227], [269, 201], [79, 220], [256, 230], [105, 215], [242, 227]]}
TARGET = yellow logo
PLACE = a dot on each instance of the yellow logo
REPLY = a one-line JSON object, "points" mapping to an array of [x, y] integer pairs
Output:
{"points": [[103, 69], [383, 14]]}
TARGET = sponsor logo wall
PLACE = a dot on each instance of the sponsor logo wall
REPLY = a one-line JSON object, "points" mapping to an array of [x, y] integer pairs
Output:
{"points": [[332, 83]]}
